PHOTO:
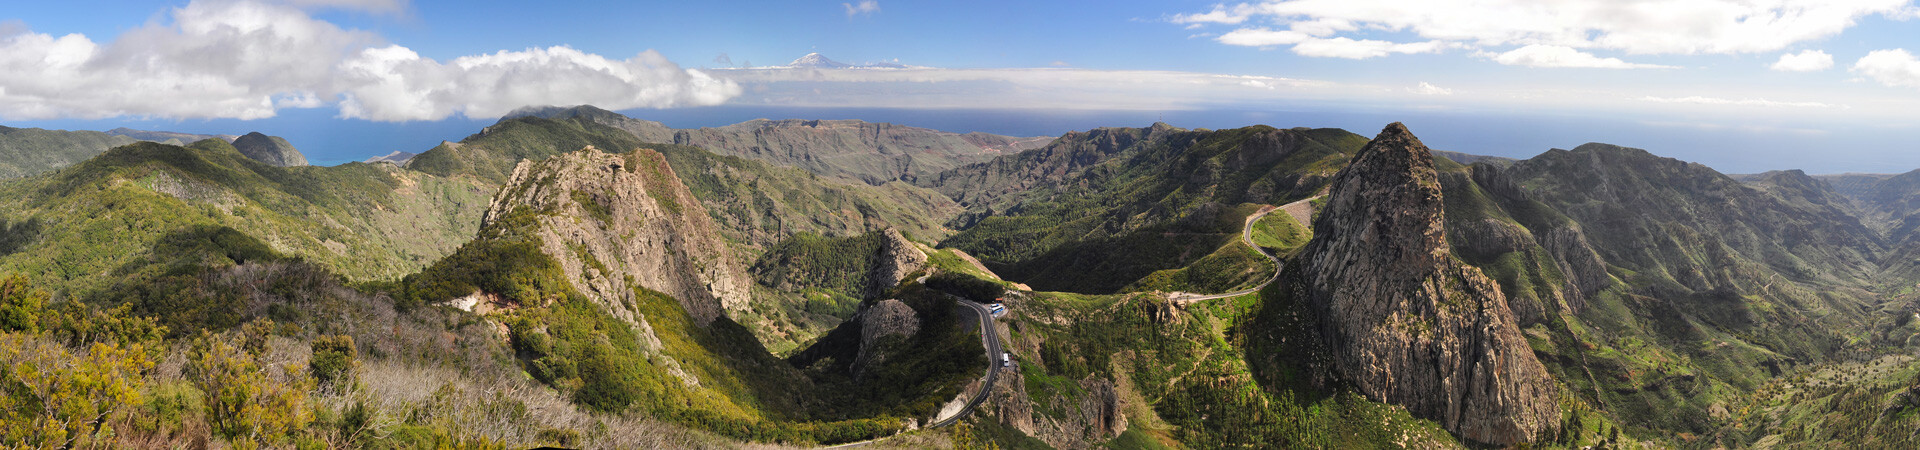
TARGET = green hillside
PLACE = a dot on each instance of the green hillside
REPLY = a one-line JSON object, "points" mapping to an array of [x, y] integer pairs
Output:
{"points": [[31, 151], [80, 228], [1096, 211]]}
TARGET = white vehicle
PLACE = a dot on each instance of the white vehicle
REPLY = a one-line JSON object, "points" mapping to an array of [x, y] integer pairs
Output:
{"points": [[996, 308], [1006, 360]]}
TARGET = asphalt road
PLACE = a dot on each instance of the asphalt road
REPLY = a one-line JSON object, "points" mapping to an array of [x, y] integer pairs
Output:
{"points": [[1246, 235], [989, 339]]}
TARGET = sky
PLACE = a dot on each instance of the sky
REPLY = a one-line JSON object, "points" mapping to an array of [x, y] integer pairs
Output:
{"points": [[1740, 85]]}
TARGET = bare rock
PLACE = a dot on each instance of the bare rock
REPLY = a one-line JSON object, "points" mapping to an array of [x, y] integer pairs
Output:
{"points": [[883, 320], [1404, 320], [898, 257], [616, 222]]}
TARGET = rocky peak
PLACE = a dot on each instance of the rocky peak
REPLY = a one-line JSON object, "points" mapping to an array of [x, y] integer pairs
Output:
{"points": [[898, 257], [1404, 320], [620, 221], [879, 321], [269, 149], [817, 61]]}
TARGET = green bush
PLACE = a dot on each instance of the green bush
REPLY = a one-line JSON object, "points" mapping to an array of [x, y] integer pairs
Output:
{"points": [[20, 305], [334, 358], [984, 291]]}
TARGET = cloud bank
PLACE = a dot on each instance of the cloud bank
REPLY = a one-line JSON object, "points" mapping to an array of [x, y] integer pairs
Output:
{"points": [[1035, 88], [247, 60], [1566, 28]]}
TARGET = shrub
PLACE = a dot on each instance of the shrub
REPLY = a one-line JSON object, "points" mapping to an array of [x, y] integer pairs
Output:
{"points": [[20, 305], [243, 401], [334, 358]]}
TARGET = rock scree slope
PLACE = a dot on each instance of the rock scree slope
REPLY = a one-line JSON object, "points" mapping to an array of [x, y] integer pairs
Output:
{"points": [[628, 220], [1405, 321]]}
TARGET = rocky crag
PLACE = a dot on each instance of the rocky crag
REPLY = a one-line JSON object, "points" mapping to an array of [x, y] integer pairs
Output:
{"points": [[625, 221], [897, 258], [884, 326], [1404, 320]]}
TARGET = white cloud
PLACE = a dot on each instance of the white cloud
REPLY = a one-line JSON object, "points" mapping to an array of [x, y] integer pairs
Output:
{"points": [[1262, 37], [1308, 43], [1426, 88], [374, 6], [1342, 47], [1220, 14], [864, 8], [247, 60], [1631, 27], [1806, 61], [1699, 100], [395, 84], [1047, 88], [1894, 67], [1565, 57]]}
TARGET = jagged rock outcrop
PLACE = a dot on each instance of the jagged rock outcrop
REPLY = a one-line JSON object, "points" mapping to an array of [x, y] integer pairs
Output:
{"points": [[269, 149], [1088, 419], [1404, 320], [881, 320], [897, 258], [626, 218]]}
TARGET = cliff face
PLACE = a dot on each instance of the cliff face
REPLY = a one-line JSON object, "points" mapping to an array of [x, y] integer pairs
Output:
{"points": [[884, 319], [897, 258], [269, 149], [1405, 321], [625, 220]]}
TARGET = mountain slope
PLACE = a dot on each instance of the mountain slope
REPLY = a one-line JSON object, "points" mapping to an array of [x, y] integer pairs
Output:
{"points": [[868, 151], [169, 137], [1660, 291], [78, 227], [1096, 211], [272, 150], [1402, 319], [617, 289], [31, 151], [647, 230]]}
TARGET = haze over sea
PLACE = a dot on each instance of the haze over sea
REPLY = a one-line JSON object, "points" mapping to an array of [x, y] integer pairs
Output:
{"points": [[1834, 148]]}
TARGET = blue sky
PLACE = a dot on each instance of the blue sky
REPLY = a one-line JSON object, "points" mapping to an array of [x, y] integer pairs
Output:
{"points": [[1741, 85]]}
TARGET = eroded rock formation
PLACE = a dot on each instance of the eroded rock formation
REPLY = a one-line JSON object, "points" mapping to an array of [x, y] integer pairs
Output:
{"points": [[1407, 322]]}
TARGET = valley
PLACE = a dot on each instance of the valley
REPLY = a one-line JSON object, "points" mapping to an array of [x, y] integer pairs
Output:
{"points": [[569, 276]]}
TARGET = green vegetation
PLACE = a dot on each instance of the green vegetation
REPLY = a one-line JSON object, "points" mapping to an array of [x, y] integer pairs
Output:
{"points": [[838, 266], [1233, 267], [760, 204], [1197, 371], [109, 214], [1279, 233], [31, 151], [1158, 202], [1866, 404]]}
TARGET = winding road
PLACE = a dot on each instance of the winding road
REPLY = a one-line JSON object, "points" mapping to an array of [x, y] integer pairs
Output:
{"points": [[1246, 235], [991, 340]]}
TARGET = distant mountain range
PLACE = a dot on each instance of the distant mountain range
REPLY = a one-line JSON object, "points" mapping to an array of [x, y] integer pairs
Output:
{"points": [[169, 137], [871, 152], [29, 151], [818, 61]]}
